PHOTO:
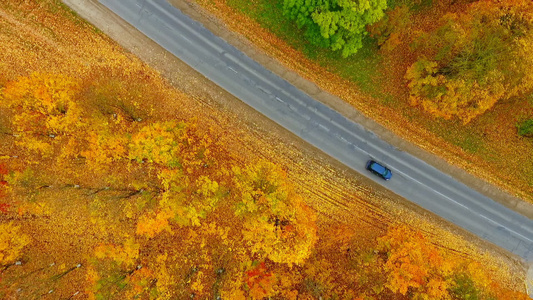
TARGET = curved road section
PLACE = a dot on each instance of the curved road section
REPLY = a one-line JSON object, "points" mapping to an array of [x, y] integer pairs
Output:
{"points": [[325, 128]]}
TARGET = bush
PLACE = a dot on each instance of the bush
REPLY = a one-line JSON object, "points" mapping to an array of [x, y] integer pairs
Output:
{"points": [[526, 128]]}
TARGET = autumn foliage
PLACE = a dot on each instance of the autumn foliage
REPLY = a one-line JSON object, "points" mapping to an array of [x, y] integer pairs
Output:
{"points": [[413, 265], [473, 59], [260, 282], [12, 243], [277, 224], [3, 186], [172, 182], [45, 107], [109, 194]]}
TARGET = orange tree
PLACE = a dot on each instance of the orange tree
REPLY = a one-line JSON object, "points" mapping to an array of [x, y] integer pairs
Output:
{"points": [[418, 269], [413, 265]]}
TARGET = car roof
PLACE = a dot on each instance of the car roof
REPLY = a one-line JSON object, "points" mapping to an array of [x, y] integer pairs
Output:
{"points": [[377, 167]]}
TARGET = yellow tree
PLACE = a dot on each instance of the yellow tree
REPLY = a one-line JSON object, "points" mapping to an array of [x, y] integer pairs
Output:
{"points": [[46, 112], [180, 157], [174, 145], [182, 201], [12, 242], [104, 148], [277, 224], [116, 270], [414, 265], [158, 143]]}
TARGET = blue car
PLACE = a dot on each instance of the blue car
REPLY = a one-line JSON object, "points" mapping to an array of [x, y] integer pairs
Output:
{"points": [[379, 169]]}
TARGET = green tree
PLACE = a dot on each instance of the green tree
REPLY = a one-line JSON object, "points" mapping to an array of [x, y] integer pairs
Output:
{"points": [[335, 24], [465, 288]]}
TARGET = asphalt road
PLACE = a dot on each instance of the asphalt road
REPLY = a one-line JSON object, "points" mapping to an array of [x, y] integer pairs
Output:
{"points": [[325, 128]]}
